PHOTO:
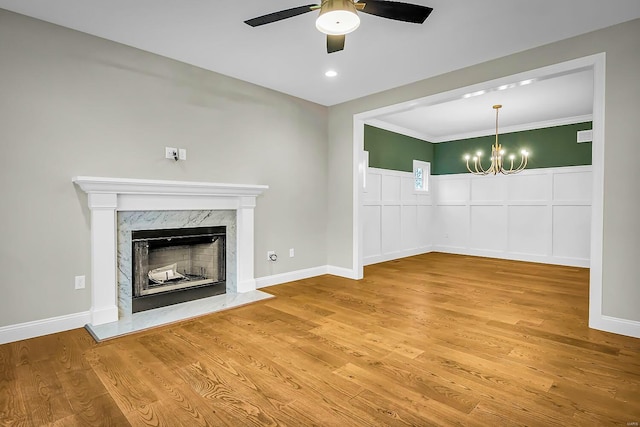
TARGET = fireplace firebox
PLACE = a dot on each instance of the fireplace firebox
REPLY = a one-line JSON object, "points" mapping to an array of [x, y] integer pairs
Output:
{"points": [[172, 266]]}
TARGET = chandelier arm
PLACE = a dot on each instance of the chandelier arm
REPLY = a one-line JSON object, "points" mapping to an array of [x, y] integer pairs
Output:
{"points": [[520, 168], [468, 168], [482, 171], [511, 170], [475, 166]]}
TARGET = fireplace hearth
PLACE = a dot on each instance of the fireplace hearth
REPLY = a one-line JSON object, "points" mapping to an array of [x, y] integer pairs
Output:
{"points": [[120, 205], [176, 265]]}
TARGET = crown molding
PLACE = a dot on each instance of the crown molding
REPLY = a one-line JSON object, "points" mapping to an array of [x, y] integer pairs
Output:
{"points": [[466, 135]]}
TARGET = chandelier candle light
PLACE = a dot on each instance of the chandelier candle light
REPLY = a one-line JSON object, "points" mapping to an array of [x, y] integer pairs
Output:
{"points": [[497, 158]]}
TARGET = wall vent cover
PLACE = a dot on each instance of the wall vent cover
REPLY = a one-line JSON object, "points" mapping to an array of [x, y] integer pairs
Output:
{"points": [[585, 135]]}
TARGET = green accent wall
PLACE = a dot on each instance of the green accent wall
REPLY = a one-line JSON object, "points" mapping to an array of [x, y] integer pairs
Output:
{"points": [[390, 150], [548, 147]]}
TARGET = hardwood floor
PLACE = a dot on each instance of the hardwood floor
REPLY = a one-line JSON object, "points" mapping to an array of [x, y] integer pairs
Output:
{"points": [[434, 339]]}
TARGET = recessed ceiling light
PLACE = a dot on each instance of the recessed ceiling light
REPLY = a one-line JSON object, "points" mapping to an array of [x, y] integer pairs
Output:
{"points": [[477, 93], [331, 73]]}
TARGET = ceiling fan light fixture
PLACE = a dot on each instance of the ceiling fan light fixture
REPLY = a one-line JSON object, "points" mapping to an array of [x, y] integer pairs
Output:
{"points": [[337, 17]]}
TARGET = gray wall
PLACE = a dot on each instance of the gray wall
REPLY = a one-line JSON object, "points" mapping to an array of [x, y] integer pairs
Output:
{"points": [[621, 43], [73, 104]]}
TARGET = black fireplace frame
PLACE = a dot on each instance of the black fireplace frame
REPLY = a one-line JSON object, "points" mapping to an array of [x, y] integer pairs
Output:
{"points": [[165, 237]]}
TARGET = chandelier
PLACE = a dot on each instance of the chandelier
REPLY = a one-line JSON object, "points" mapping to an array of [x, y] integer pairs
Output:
{"points": [[497, 158]]}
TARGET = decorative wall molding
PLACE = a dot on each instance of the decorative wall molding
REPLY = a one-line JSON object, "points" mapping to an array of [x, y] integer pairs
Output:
{"points": [[381, 124], [397, 220], [106, 196], [539, 215], [23, 331], [516, 128], [121, 186]]}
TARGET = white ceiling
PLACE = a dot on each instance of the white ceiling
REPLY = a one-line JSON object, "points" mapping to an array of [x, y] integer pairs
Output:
{"points": [[290, 56], [531, 104]]}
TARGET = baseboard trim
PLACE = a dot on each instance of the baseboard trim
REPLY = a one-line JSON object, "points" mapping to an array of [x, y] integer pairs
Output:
{"points": [[277, 279], [347, 273], [513, 256], [397, 255], [615, 325], [36, 328]]}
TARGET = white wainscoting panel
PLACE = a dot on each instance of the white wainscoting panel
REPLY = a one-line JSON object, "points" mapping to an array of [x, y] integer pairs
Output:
{"points": [[407, 194], [488, 231], [487, 190], [391, 188], [574, 186], [397, 221], [409, 224], [454, 189], [373, 191], [540, 215], [425, 221], [452, 226], [532, 188], [391, 229], [571, 237], [528, 230], [372, 239]]}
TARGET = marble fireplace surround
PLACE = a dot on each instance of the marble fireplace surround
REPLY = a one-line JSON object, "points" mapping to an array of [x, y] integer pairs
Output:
{"points": [[108, 196]]}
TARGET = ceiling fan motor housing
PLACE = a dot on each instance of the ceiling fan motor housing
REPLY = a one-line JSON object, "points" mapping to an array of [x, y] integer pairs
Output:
{"points": [[337, 17]]}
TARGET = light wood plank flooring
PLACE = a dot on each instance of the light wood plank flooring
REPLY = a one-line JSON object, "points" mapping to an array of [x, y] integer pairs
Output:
{"points": [[434, 339]]}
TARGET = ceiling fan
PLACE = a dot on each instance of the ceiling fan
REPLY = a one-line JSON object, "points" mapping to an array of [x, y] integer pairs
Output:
{"points": [[339, 17]]}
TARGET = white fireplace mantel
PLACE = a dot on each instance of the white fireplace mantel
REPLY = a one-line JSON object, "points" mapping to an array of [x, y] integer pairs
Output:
{"points": [[107, 196]]}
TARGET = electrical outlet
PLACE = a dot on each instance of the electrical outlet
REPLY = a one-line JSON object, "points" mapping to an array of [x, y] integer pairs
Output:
{"points": [[271, 256], [182, 154], [79, 282], [170, 152], [292, 253]]}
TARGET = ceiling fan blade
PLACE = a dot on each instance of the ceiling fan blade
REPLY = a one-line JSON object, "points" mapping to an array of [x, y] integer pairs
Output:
{"points": [[279, 16], [335, 43], [405, 12]]}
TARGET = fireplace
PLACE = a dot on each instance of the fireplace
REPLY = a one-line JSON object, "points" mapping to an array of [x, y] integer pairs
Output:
{"points": [[175, 265], [155, 204]]}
